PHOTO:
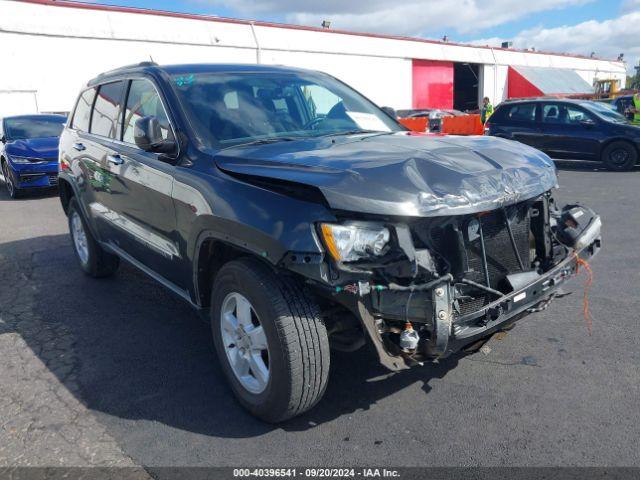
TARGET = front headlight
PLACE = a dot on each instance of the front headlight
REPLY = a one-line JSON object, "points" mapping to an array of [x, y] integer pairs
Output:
{"points": [[348, 243], [19, 160]]}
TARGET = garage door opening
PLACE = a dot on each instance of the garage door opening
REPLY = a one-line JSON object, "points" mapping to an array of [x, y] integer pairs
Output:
{"points": [[465, 86]]}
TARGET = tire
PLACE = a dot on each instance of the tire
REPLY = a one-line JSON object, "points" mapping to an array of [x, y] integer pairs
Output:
{"points": [[93, 259], [297, 346], [619, 156], [14, 192]]}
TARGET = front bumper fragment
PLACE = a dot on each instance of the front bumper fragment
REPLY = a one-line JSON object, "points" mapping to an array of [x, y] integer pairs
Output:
{"points": [[449, 335], [36, 175]]}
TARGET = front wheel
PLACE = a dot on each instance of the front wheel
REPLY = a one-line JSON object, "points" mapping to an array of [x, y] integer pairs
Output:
{"points": [[12, 189], [270, 340], [93, 259], [619, 156]]}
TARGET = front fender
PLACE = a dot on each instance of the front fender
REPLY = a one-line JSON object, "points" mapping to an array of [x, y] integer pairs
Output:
{"points": [[248, 217]]}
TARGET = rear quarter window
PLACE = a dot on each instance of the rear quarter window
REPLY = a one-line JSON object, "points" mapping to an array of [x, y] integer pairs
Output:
{"points": [[82, 112]]}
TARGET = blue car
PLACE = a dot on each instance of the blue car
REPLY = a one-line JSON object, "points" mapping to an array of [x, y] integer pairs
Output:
{"points": [[29, 151]]}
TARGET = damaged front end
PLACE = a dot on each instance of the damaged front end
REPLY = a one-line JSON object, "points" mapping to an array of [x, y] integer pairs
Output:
{"points": [[428, 286], [426, 244]]}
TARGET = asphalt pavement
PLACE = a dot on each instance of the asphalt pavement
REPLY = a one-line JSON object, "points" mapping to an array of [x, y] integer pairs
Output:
{"points": [[121, 372]]}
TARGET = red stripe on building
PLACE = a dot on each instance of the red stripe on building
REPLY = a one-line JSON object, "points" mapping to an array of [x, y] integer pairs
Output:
{"points": [[520, 87]]}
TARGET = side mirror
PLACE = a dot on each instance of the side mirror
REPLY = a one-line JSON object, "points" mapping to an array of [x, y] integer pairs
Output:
{"points": [[3, 139], [587, 122], [390, 111], [148, 136]]}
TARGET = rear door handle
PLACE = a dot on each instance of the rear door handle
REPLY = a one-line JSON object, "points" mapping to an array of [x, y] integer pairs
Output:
{"points": [[79, 146], [115, 159]]}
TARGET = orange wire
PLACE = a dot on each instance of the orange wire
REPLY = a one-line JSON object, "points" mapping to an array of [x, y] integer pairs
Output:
{"points": [[587, 285]]}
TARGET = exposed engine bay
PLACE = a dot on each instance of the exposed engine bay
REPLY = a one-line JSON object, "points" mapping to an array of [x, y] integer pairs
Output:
{"points": [[444, 282]]}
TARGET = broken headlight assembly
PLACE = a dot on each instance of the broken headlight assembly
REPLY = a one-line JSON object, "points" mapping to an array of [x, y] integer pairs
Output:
{"points": [[351, 242]]}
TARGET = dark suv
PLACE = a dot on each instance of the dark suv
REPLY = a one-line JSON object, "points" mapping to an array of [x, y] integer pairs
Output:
{"points": [[563, 128], [297, 215]]}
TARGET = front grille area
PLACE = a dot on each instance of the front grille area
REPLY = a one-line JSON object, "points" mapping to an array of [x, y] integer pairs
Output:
{"points": [[53, 180], [501, 257], [30, 177], [457, 247], [457, 242]]}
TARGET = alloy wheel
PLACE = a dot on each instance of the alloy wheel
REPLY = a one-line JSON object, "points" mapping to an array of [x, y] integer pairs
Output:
{"points": [[7, 179], [245, 343], [619, 156], [79, 237]]}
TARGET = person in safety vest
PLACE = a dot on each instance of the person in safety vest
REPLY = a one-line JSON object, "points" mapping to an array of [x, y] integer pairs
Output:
{"points": [[636, 109], [486, 110]]}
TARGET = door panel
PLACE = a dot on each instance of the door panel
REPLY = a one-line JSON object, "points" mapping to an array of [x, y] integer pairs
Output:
{"points": [[84, 156], [99, 145], [96, 180], [142, 209], [139, 205], [520, 123], [565, 133]]}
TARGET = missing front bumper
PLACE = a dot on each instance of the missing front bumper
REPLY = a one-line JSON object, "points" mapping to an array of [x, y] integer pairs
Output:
{"points": [[448, 335]]}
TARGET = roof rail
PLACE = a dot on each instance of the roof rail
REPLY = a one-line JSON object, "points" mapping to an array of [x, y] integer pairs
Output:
{"points": [[126, 67], [538, 97]]}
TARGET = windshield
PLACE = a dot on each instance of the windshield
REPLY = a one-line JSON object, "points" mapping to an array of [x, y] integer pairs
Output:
{"points": [[233, 108], [605, 111], [23, 128]]}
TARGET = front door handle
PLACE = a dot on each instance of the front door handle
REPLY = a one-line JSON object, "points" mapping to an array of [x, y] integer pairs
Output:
{"points": [[115, 159], [79, 146]]}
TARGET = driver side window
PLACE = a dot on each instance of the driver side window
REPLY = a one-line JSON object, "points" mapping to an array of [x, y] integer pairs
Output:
{"points": [[558, 113], [143, 100], [576, 115]]}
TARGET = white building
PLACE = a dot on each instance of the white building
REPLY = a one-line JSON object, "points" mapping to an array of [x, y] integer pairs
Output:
{"points": [[50, 48]]}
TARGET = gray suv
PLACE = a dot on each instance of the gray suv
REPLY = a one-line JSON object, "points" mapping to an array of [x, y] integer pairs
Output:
{"points": [[297, 216]]}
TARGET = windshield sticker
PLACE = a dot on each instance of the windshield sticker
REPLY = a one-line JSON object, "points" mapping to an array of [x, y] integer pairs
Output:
{"points": [[184, 81], [368, 121]]}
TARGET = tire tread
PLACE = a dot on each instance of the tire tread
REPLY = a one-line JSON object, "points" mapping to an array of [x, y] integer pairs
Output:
{"points": [[303, 337]]}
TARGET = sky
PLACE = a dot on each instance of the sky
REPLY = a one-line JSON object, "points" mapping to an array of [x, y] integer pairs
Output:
{"points": [[606, 28]]}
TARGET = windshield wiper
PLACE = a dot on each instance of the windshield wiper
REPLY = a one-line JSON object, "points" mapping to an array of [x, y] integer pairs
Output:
{"points": [[348, 132], [264, 141]]}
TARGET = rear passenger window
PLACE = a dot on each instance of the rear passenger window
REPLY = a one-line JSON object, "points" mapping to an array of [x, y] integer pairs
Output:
{"points": [[104, 119], [82, 113], [144, 101], [522, 112]]}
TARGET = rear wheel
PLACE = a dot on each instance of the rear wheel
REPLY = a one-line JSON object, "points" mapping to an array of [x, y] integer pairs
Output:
{"points": [[93, 259], [14, 191], [270, 340], [619, 156]]}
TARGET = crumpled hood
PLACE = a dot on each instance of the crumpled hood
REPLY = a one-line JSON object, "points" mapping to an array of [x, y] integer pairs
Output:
{"points": [[402, 174], [46, 148]]}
